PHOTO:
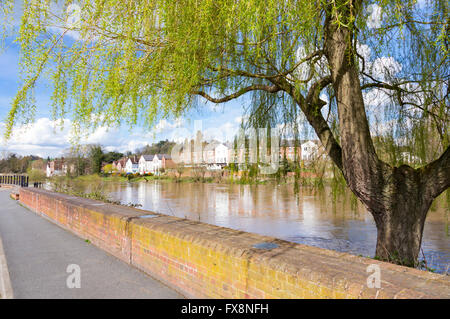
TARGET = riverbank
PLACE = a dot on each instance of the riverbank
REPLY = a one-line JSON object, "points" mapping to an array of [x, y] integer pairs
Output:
{"points": [[306, 178]]}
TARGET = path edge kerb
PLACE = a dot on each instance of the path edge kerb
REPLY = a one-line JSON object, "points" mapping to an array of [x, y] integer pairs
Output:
{"points": [[6, 291]]}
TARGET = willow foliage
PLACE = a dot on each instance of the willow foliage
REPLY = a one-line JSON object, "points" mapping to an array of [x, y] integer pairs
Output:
{"points": [[112, 62]]}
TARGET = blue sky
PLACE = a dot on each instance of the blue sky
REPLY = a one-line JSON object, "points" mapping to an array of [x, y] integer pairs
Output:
{"points": [[44, 138]]}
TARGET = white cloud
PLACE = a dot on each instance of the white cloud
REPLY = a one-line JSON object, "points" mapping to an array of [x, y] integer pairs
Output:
{"points": [[374, 19], [302, 72], [41, 138], [43, 130], [164, 125], [130, 145], [45, 138], [324, 98], [365, 52], [376, 98], [239, 119], [384, 68], [223, 133]]}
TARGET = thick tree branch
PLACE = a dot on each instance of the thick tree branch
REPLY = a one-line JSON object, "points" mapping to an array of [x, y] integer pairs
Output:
{"points": [[254, 87], [225, 72], [318, 53], [437, 175], [399, 91], [313, 94], [314, 116]]}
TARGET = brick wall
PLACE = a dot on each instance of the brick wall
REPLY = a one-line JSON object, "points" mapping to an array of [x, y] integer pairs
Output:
{"points": [[207, 261]]}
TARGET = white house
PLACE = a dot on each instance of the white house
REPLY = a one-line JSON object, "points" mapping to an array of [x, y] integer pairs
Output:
{"points": [[157, 163], [49, 172], [161, 161], [55, 167], [215, 155], [132, 165], [309, 151], [146, 164], [221, 154]]}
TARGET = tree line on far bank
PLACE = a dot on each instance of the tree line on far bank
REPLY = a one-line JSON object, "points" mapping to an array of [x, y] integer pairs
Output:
{"points": [[81, 160]]}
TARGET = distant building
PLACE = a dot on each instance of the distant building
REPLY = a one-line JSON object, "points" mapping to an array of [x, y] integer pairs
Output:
{"points": [[212, 153], [221, 154], [68, 168], [146, 164], [162, 162], [197, 156], [215, 153], [120, 164], [154, 163], [132, 165], [209, 153], [55, 167], [309, 151], [289, 150], [186, 152]]}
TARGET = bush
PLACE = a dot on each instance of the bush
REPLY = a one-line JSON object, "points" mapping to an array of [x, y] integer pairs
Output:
{"points": [[36, 175]]}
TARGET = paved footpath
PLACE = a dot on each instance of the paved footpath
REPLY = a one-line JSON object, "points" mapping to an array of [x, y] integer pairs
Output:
{"points": [[38, 254]]}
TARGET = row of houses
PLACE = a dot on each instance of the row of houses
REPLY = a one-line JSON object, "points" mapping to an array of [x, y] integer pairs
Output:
{"points": [[144, 164], [216, 154]]}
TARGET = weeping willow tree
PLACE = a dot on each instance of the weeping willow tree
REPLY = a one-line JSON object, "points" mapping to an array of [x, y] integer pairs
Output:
{"points": [[359, 73]]}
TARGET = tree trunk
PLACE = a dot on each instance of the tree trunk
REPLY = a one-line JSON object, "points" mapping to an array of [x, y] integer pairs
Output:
{"points": [[397, 197], [399, 235], [401, 218]]}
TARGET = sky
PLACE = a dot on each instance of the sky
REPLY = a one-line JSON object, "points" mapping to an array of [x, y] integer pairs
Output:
{"points": [[45, 137]]}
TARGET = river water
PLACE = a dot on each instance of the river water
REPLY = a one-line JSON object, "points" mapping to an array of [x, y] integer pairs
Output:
{"points": [[308, 217]]}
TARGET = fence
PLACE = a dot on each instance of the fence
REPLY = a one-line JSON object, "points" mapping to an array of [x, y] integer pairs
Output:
{"points": [[20, 180]]}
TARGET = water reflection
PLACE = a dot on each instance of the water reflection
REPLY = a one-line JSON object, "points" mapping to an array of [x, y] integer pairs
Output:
{"points": [[308, 217]]}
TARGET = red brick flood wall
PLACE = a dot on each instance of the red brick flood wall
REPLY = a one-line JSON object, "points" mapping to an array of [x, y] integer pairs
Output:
{"points": [[207, 261]]}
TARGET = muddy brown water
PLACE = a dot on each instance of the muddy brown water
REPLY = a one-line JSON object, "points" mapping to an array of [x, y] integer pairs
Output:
{"points": [[309, 216]]}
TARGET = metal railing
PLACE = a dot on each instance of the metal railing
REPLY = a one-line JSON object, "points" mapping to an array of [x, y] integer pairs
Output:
{"points": [[14, 179]]}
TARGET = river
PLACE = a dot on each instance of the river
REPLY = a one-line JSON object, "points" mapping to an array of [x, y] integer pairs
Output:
{"points": [[308, 217]]}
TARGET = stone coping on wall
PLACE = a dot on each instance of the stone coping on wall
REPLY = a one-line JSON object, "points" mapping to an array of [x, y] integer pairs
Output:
{"points": [[207, 261]]}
